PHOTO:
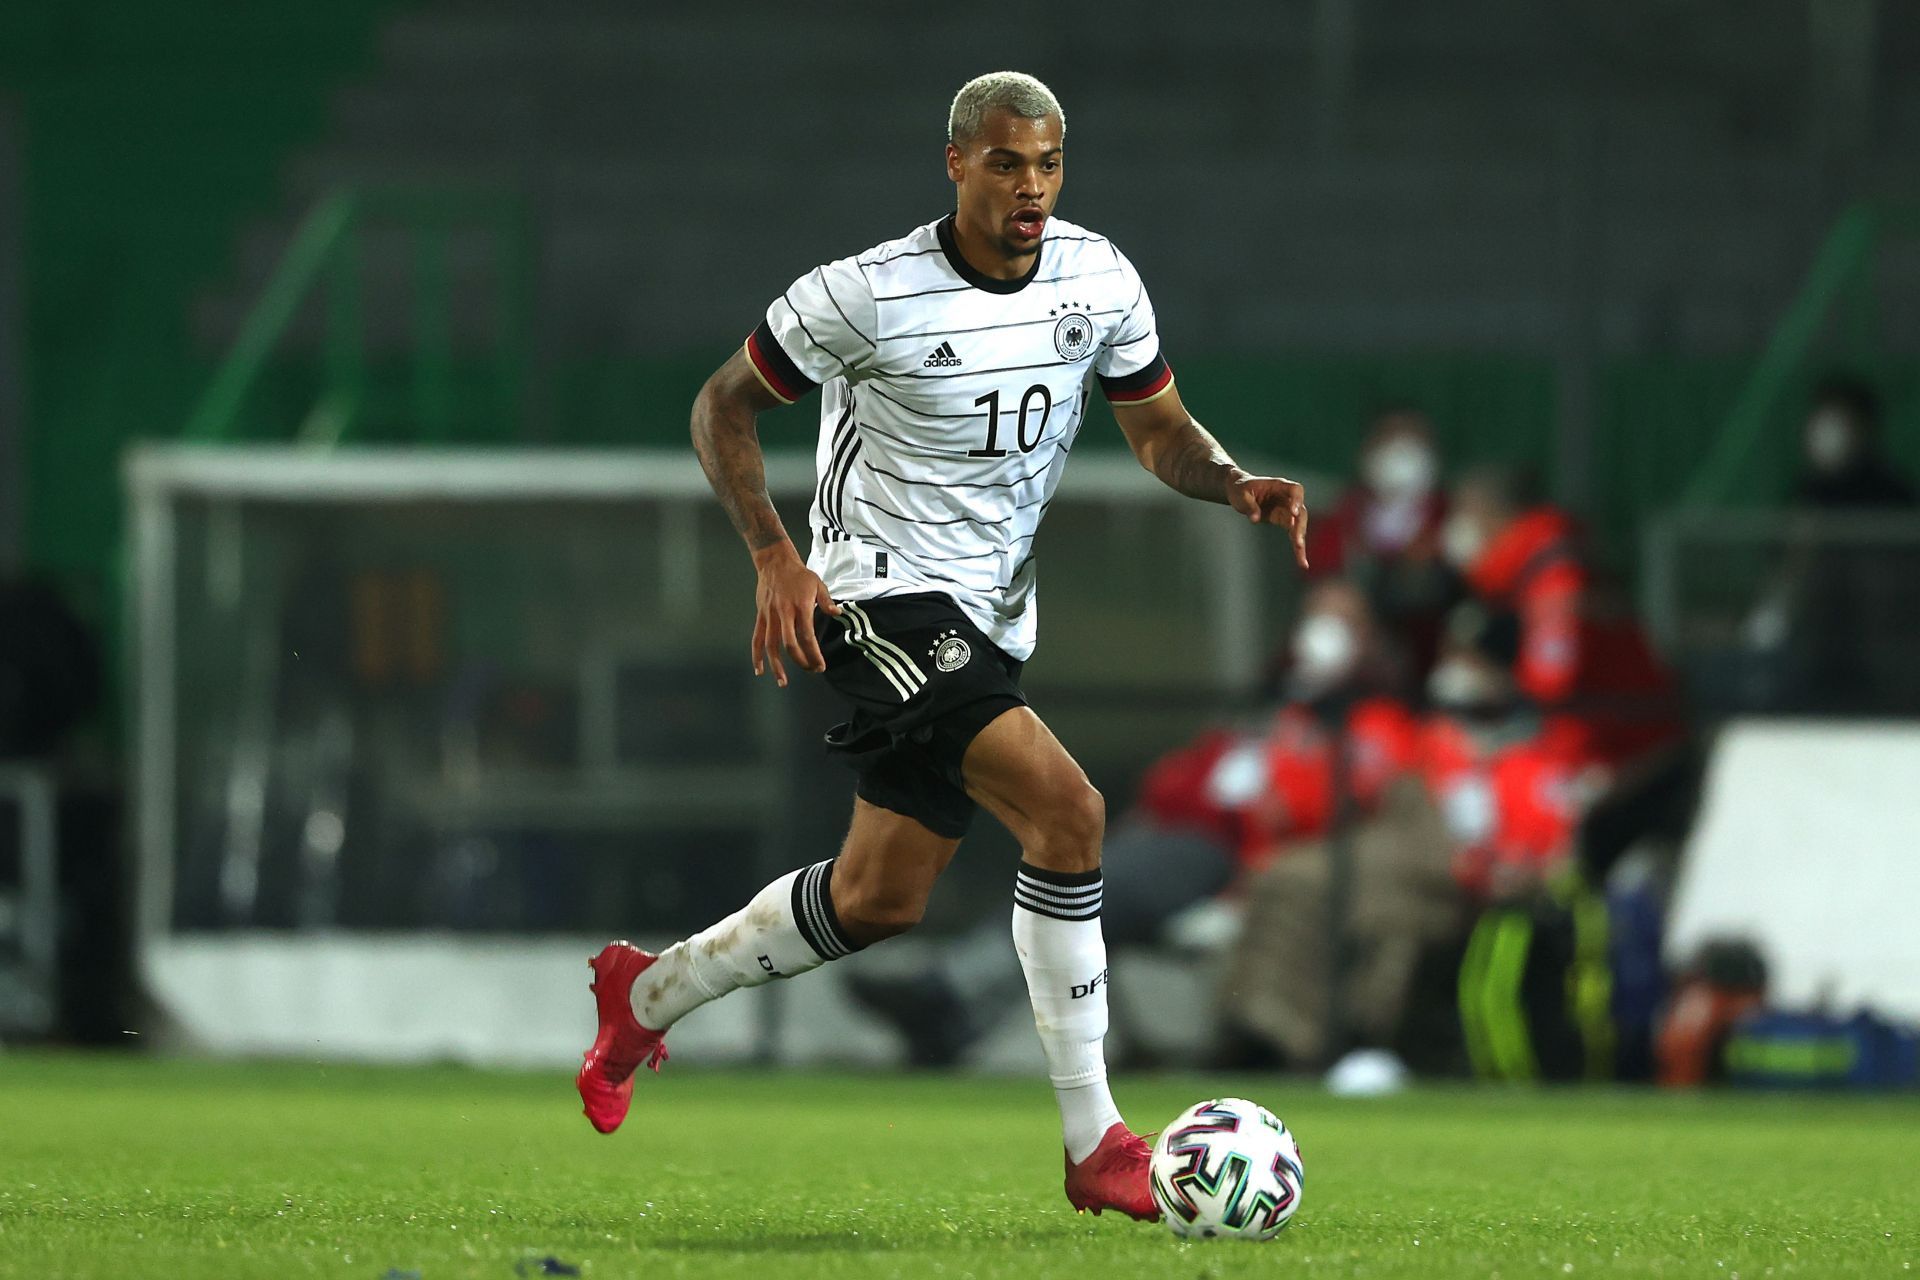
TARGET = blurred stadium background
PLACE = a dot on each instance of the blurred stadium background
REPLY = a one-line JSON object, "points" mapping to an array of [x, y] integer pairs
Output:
{"points": [[368, 630]]}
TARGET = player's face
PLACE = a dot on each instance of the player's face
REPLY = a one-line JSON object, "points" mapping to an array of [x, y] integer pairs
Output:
{"points": [[1008, 179]]}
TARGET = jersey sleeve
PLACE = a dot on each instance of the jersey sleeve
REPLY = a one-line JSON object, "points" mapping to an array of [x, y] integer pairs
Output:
{"points": [[1130, 366], [820, 328]]}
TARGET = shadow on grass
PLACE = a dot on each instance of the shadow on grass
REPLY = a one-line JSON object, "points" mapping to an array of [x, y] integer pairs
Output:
{"points": [[837, 1242]]}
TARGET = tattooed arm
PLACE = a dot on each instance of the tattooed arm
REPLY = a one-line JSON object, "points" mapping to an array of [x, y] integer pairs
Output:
{"points": [[1186, 458], [725, 437]]}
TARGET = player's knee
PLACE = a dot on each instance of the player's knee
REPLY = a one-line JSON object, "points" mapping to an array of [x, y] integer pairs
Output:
{"points": [[1087, 818], [1076, 823]]}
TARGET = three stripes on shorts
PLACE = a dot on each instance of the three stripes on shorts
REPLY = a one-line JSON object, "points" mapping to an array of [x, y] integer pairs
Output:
{"points": [[901, 672], [1060, 895]]}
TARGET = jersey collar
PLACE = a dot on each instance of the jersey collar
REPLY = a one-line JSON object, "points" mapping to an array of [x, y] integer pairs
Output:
{"points": [[964, 269]]}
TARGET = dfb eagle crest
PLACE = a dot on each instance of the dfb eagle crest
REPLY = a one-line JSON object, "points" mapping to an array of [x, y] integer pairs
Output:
{"points": [[1073, 335], [950, 652]]}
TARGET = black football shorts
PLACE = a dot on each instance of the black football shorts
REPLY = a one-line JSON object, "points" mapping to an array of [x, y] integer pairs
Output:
{"points": [[923, 681]]}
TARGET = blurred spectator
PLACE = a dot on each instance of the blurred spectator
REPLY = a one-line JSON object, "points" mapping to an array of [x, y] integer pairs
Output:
{"points": [[1832, 632], [1205, 813], [1509, 789], [1581, 655], [1345, 672], [1845, 465], [1397, 506], [1384, 532]]}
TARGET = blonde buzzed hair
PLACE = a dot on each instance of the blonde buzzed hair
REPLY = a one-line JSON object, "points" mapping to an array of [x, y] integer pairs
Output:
{"points": [[1014, 91]]}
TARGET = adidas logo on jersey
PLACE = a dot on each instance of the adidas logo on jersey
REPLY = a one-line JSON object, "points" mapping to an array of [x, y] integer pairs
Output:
{"points": [[941, 358]]}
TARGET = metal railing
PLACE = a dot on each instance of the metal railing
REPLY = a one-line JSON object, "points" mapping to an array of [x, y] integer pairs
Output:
{"points": [[327, 252], [29, 903], [1789, 611]]}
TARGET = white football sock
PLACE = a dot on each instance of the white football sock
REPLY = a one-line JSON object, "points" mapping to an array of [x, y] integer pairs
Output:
{"points": [[788, 929], [1056, 931]]}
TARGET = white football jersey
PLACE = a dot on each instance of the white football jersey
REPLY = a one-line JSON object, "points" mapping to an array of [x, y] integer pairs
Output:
{"points": [[950, 401]]}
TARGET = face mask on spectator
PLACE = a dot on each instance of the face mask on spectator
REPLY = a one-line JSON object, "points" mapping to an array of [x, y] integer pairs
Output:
{"points": [[1462, 540], [1401, 468], [1461, 686], [1240, 776], [1831, 443], [1470, 811], [1324, 650]]}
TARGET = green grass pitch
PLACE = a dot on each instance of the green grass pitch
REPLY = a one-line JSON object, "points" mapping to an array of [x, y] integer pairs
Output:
{"points": [[128, 1168]]}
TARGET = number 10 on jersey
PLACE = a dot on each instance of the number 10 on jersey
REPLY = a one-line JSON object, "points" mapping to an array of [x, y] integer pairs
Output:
{"points": [[1037, 394]]}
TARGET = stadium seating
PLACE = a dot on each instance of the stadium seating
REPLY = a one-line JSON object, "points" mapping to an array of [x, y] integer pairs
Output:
{"points": [[1486, 177], [1428, 212]]}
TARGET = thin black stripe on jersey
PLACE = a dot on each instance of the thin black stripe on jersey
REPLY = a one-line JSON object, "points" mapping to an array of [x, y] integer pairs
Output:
{"points": [[963, 518], [923, 451], [829, 498], [950, 406], [787, 298], [911, 253], [971, 413], [920, 567], [842, 430], [840, 489], [835, 504], [937, 474], [990, 328], [992, 552], [828, 290], [975, 373], [958, 288], [936, 482]]}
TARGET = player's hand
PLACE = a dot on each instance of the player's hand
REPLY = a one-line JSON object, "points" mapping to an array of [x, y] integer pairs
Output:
{"points": [[784, 602], [1272, 500]]}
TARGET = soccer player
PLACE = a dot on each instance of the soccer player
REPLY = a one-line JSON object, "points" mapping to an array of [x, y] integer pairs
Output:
{"points": [[953, 366]]}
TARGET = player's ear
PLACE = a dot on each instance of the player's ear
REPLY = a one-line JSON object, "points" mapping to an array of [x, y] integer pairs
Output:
{"points": [[953, 163]]}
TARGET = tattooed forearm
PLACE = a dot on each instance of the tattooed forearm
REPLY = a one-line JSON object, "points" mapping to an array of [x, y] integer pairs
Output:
{"points": [[729, 447], [1193, 463]]}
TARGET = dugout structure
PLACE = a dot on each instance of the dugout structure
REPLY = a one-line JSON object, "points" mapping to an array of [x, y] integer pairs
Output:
{"points": [[415, 730]]}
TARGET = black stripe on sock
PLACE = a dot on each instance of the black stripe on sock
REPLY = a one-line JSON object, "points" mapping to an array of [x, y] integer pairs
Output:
{"points": [[1058, 900], [806, 912], [847, 945], [1059, 895], [1053, 913], [1073, 890], [813, 913], [1060, 879]]}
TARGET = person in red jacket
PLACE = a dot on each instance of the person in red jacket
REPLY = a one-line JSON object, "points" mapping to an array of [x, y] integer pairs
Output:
{"points": [[1582, 656], [1511, 789], [1302, 799]]}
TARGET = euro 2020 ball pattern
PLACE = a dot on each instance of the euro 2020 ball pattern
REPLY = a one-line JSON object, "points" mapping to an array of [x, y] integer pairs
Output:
{"points": [[1227, 1167]]}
